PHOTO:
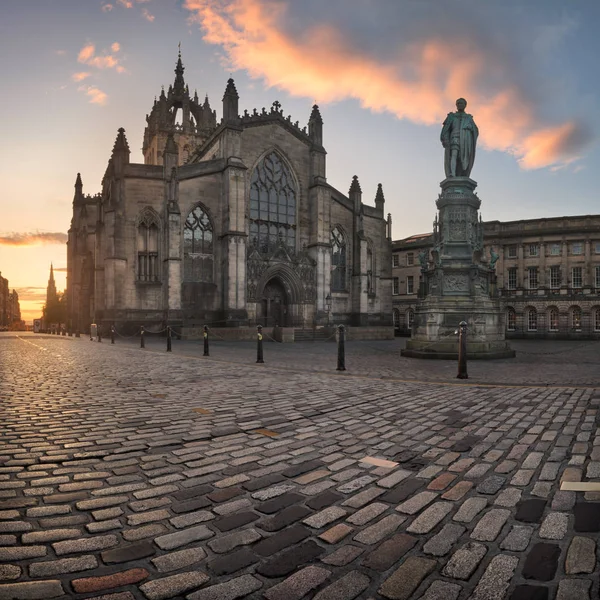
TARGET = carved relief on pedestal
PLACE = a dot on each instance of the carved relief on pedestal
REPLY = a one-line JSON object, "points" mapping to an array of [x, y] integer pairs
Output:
{"points": [[457, 224], [456, 283]]}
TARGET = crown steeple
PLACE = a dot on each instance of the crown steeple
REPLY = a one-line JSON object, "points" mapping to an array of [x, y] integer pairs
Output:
{"points": [[179, 85]]}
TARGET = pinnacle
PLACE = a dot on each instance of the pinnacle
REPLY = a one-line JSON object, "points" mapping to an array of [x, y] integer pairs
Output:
{"points": [[315, 115], [355, 186], [231, 90], [379, 195], [121, 142]]}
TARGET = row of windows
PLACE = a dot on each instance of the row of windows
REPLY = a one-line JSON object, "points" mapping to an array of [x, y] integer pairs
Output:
{"points": [[531, 250], [553, 319], [554, 280], [410, 285]]}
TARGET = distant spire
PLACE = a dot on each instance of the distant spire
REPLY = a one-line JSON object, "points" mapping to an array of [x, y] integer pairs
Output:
{"points": [[230, 102], [51, 280], [121, 144], [179, 86], [379, 195], [78, 189], [355, 186]]}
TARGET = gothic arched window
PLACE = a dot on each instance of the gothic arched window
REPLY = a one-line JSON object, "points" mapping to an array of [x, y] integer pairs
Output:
{"points": [[553, 319], [198, 247], [370, 280], [147, 247], [272, 205], [338, 260]]}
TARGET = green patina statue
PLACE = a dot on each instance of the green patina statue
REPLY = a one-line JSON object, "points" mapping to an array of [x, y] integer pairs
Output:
{"points": [[493, 259], [459, 138]]}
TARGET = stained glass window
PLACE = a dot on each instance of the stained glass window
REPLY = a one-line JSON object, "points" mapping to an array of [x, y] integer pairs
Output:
{"points": [[198, 247], [272, 205], [147, 248]]}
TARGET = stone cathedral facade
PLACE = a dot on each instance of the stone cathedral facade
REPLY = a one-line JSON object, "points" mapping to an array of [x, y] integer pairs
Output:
{"points": [[229, 223]]}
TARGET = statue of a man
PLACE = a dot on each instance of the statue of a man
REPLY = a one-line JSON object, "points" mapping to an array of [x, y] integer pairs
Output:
{"points": [[459, 138]]}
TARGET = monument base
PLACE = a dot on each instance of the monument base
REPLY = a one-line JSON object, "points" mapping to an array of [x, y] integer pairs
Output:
{"points": [[436, 326]]}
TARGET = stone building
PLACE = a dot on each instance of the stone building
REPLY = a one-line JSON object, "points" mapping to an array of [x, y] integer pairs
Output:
{"points": [[10, 309], [548, 276], [228, 223]]}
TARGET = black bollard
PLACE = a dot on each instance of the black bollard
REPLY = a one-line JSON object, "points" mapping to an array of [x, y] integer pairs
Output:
{"points": [[169, 339], [142, 341], [112, 334], [206, 341], [462, 351], [99, 334], [259, 343], [341, 362]]}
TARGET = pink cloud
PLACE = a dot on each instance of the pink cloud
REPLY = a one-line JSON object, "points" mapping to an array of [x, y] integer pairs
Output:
{"points": [[149, 17], [108, 60], [80, 76], [107, 7], [125, 3], [96, 95], [32, 238], [86, 53], [418, 83], [115, 47]]}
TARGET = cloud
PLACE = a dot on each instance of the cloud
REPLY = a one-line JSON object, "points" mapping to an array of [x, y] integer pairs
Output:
{"points": [[414, 69], [34, 238], [125, 3], [108, 60], [80, 76], [31, 294], [96, 95], [147, 15], [107, 7], [60, 269]]}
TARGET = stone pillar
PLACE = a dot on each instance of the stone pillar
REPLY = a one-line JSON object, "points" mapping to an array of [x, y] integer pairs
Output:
{"points": [[564, 267], [586, 271], [520, 267], [542, 267]]}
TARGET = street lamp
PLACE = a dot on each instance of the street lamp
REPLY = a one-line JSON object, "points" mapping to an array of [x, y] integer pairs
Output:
{"points": [[328, 306]]}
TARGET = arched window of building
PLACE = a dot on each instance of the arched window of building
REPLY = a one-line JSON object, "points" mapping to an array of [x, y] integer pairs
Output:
{"points": [[576, 318], [553, 319], [370, 270], [511, 319], [396, 317], [532, 319], [410, 317], [198, 250], [596, 319], [147, 247], [272, 205], [338, 260]]}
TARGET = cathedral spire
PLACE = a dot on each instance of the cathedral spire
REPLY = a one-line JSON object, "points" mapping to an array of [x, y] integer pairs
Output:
{"points": [[379, 198], [230, 102], [179, 86], [315, 126], [78, 189]]}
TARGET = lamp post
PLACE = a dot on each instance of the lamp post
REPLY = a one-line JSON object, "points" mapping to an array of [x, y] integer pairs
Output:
{"points": [[328, 306]]}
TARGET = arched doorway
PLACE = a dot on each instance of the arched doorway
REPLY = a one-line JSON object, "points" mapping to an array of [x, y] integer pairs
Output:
{"points": [[274, 303]]}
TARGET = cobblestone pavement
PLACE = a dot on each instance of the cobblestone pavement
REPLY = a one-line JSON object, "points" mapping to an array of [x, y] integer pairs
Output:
{"points": [[128, 474]]}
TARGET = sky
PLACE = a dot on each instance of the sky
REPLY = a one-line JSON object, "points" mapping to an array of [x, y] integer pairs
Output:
{"points": [[384, 73]]}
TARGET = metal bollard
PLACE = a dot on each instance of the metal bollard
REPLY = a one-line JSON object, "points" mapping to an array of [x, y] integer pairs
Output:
{"points": [[142, 341], [206, 341], [462, 351], [341, 361], [112, 334], [99, 335], [259, 344], [169, 339]]}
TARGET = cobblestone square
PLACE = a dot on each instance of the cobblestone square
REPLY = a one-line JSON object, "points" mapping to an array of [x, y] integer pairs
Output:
{"points": [[136, 473]]}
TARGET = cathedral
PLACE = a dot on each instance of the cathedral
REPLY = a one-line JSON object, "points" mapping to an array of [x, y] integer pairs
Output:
{"points": [[228, 223]]}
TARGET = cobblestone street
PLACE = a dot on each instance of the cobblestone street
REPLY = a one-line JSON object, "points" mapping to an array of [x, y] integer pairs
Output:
{"points": [[129, 473]]}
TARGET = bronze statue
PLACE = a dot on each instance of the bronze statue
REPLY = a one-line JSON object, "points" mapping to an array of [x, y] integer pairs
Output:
{"points": [[459, 138]]}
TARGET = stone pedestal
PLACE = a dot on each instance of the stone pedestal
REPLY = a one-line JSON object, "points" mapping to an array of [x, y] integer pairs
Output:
{"points": [[457, 284]]}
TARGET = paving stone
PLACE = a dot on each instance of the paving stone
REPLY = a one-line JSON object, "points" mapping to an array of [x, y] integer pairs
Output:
{"points": [[343, 555], [287, 516], [542, 489], [128, 553], [518, 538], [406, 579], [336, 533], [145, 531], [299, 584], [522, 477], [326, 516], [235, 506], [262, 482], [181, 538], [348, 587], [430, 517], [50, 535], [226, 543], [193, 518], [32, 590], [224, 495], [506, 466], [464, 561], [283, 539], [178, 559], [530, 592], [403, 491], [63, 565], [530, 511], [563, 500], [9, 572], [417, 503], [441, 482], [85, 544], [276, 504], [587, 517], [554, 526], [489, 526], [443, 542], [232, 562], [368, 513], [491, 485], [377, 531], [105, 582], [394, 478], [541, 562], [234, 521], [173, 585], [574, 589], [289, 560], [581, 556], [496, 578], [302, 468], [20, 553], [442, 590], [355, 484], [469, 509], [234, 589], [458, 491], [322, 500]]}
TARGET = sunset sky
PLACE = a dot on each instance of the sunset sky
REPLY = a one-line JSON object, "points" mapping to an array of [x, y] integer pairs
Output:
{"points": [[384, 73]]}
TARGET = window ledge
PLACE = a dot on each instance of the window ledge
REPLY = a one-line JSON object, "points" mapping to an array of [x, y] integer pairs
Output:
{"points": [[144, 283]]}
